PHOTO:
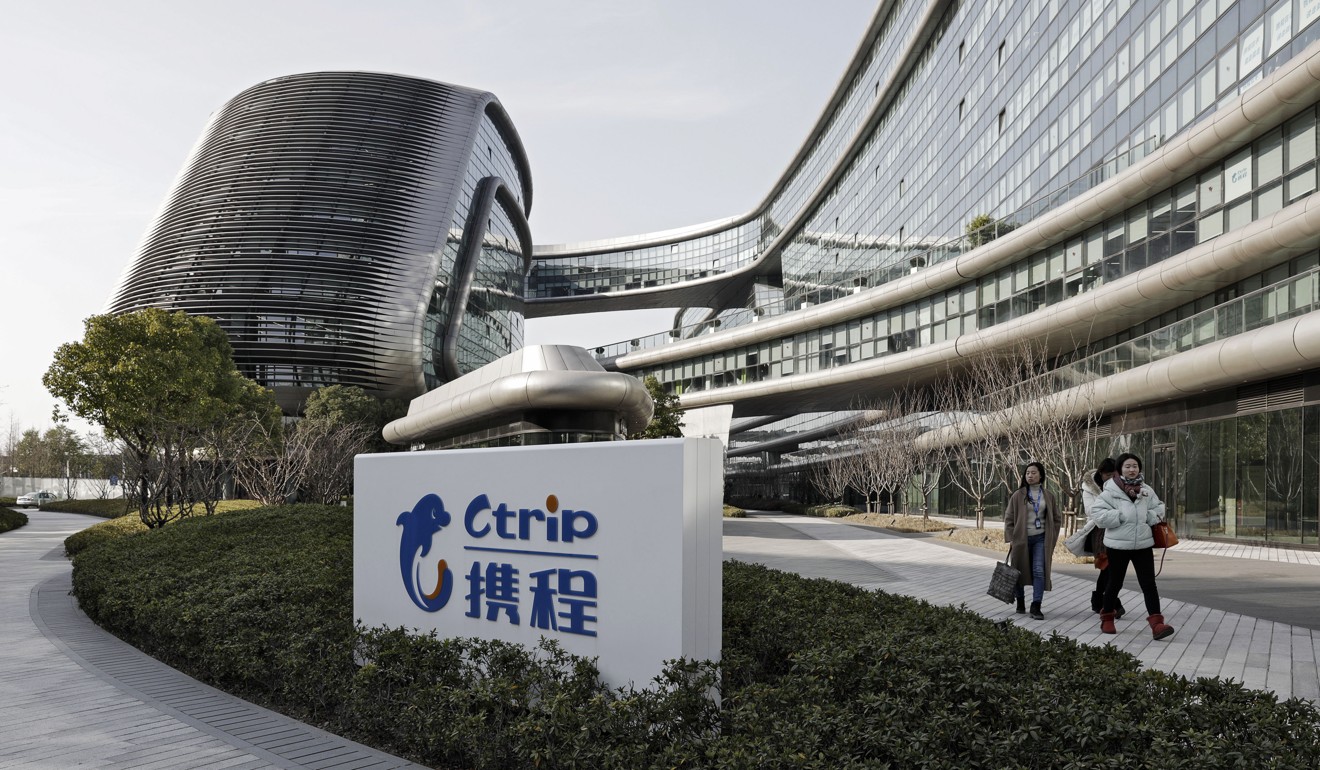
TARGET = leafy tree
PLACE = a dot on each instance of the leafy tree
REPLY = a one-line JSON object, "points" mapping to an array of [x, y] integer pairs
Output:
{"points": [[29, 454], [350, 405], [57, 453], [984, 228], [667, 419], [342, 404], [156, 381], [339, 422]]}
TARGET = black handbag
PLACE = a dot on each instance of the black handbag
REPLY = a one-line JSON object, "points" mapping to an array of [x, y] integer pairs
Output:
{"points": [[1004, 582]]}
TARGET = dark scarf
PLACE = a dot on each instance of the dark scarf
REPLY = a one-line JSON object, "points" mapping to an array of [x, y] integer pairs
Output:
{"points": [[1131, 486]]}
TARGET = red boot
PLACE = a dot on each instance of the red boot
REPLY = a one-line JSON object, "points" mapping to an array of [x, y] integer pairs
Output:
{"points": [[1107, 623], [1158, 628]]}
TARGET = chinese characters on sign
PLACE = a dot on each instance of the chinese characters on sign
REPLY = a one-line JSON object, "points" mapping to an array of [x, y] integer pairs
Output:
{"points": [[561, 599]]}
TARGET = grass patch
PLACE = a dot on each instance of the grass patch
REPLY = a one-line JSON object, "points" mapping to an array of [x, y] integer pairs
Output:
{"points": [[993, 540], [899, 522], [107, 508], [827, 510], [734, 512], [130, 524]]}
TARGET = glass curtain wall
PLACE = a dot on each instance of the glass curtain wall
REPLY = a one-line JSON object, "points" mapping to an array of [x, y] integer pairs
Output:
{"points": [[1253, 478]]}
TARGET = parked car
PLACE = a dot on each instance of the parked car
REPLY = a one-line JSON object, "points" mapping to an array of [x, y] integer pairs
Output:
{"points": [[34, 499]]}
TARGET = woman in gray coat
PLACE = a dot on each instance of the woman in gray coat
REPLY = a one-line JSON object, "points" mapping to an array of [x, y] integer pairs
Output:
{"points": [[1126, 508], [1032, 520]]}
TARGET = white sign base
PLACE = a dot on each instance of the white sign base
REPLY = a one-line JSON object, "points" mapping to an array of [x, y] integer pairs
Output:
{"points": [[612, 549]]}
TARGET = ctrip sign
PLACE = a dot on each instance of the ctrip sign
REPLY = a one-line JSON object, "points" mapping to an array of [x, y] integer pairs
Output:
{"points": [[611, 549]]}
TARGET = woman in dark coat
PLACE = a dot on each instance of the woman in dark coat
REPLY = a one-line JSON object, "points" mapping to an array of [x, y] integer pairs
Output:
{"points": [[1095, 541], [1032, 520]]}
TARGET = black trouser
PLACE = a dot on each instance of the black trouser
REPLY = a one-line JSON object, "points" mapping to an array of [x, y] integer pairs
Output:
{"points": [[1144, 561]]}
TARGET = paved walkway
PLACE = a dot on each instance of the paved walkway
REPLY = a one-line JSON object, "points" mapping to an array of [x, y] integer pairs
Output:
{"points": [[1260, 653], [72, 695]]}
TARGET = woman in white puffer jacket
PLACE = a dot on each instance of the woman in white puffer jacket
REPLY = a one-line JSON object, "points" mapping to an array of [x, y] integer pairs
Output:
{"points": [[1126, 509]]}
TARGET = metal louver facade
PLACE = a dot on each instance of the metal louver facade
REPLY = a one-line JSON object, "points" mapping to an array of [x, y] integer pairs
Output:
{"points": [[326, 221]]}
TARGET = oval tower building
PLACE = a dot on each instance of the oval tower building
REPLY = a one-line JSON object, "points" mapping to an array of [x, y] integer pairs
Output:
{"points": [[347, 228]]}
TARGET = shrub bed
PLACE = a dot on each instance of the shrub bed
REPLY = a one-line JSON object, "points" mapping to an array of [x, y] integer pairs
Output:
{"points": [[758, 503], [107, 508], [993, 540], [11, 519], [900, 522], [734, 512], [816, 674], [829, 510]]}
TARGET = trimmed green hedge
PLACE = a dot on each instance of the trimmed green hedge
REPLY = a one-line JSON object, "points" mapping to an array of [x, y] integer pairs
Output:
{"points": [[107, 508], [816, 674], [11, 519]]}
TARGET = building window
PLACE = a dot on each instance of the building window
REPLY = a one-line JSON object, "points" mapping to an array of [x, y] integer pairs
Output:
{"points": [[962, 108], [999, 55], [1001, 121], [962, 48]]}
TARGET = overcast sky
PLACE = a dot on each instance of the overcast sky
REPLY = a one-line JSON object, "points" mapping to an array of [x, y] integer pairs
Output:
{"points": [[637, 116]]}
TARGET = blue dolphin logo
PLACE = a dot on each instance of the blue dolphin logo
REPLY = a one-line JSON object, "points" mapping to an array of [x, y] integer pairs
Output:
{"points": [[419, 527]]}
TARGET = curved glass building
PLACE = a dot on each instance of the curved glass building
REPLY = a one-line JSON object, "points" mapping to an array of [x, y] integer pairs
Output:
{"points": [[348, 228], [1129, 183]]}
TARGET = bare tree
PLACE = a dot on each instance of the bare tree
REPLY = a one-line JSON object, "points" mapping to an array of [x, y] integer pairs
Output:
{"points": [[1284, 469], [12, 435], [882, 467], [975, 454], [331, 447], [221, 449], [273, 464], [840, 464], [1032, 413], [103, 458], [1011, 406], [1057, 430], [889, 457], [832, 475]]}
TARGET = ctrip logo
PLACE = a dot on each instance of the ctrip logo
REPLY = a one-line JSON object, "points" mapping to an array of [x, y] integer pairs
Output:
{"points": [[533, 528], [420, 525]]}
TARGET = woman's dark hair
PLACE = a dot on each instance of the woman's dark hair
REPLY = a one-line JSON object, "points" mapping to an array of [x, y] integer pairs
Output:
{"points": [[1124, 458], [1039, 468], [1106, 465]]}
